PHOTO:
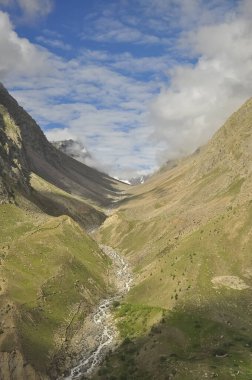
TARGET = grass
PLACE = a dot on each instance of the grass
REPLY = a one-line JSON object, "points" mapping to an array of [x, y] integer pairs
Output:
{"points": [[14, 222], [235, 187], [187, 268], [50, 267], [178, 245], [136, 320], [180, 231], [187, 345]]}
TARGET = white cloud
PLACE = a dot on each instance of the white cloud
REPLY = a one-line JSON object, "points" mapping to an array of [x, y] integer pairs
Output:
{"points": [[201, 96], [36, 8], [18, 55], [59, 134], [104, 98], [53, 43], [108, 29], [30, 9], [80, 98]]}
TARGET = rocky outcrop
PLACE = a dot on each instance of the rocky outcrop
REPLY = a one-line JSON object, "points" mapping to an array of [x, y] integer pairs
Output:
{"points": [[14, 167]]}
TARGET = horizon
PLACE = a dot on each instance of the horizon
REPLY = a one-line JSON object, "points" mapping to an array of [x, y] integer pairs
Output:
{"points": [[138, 83]]}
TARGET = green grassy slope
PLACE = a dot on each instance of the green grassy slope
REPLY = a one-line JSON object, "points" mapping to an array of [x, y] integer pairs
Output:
{"points": [[50, 270], [187, 234], [52, 274]]}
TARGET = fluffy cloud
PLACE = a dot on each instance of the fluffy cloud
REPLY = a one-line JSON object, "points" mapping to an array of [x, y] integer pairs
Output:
{"points": [[18, 54], [202, 95], [112, 101], [60, 134], [80, 98]]}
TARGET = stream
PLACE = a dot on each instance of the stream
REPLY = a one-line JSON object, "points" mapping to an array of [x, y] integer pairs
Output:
{"points": [[102, 319]]}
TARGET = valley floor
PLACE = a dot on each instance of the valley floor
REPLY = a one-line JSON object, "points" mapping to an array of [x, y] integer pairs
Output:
{"points": [[102, 334]]}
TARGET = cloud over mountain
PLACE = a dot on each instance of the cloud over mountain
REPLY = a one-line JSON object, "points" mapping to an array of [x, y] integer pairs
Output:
{"points": [[138, 83], [202, 95]]}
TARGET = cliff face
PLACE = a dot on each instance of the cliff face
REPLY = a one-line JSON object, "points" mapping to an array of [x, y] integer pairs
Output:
{"points": [[14, 167]]}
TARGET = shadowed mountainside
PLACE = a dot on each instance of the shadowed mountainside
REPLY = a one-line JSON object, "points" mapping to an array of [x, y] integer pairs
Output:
{"points": [[43, 159]]}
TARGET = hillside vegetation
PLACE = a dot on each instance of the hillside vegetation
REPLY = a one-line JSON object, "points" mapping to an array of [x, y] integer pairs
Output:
{"points": [[52, 274], [187, 234]]}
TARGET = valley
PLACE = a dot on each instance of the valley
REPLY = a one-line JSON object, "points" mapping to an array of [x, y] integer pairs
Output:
{"points": [[102, 324], [103, 280]]}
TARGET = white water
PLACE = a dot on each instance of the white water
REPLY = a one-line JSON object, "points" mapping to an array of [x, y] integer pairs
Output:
{"points": [[106, 331]]}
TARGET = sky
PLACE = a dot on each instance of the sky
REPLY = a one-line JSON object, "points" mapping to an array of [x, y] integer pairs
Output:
{"points": [[138, 82]]}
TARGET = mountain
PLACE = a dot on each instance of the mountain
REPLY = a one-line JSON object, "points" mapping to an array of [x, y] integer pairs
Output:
{"points": [[187, 235], [138, 180], [52, 273], [77, 150], [74, 149], [51, 164], [14, 168]]}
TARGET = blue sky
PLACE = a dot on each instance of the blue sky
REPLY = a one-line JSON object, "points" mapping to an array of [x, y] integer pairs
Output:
{"points": [[138, 82]]}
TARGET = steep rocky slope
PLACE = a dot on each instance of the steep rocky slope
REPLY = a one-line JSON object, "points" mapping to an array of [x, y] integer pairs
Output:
{"points": [[53, 165], [187, 233], [13, 165]]}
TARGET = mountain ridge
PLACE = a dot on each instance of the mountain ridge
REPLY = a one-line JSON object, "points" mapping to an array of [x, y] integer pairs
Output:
{"points": [[51, 164]]}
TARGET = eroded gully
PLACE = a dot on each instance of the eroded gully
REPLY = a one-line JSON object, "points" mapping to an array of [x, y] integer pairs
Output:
{"points": [[103, 324]]}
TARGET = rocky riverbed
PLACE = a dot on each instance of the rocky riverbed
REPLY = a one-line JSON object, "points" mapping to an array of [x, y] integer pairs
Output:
{"points": [[102, 329]]}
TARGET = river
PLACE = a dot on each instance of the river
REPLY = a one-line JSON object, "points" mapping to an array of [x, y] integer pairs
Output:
{"points": [[102, 318]]}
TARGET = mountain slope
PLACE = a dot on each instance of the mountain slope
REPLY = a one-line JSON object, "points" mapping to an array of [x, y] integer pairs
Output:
{"points": [[53, 165], [13, 165], [52, 274], [187, 233], [57, 183]]}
